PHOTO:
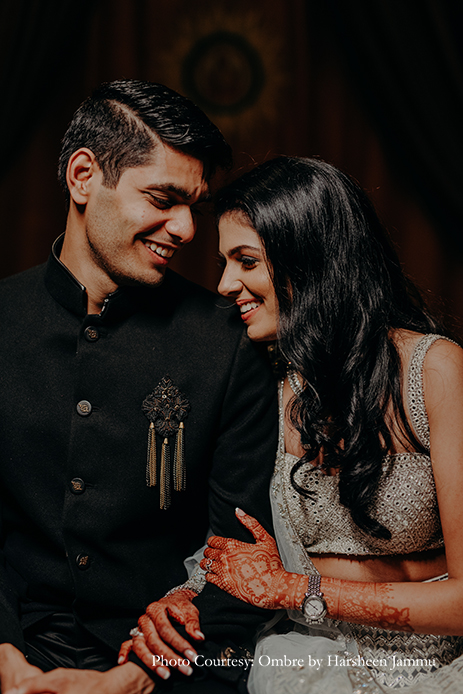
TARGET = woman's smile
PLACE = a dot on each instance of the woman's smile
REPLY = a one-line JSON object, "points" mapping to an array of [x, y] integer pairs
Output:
{"points": [[246, 277]]}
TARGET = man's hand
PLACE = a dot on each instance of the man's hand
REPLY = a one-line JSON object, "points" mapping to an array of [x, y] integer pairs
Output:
{"points": [[127, 679], [159, 637], [14, 667]]}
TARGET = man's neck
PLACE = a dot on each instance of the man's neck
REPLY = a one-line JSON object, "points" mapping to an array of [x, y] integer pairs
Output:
{"points": [[97, 284]]}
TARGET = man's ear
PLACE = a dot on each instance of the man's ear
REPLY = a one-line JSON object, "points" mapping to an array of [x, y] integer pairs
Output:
{"points": [[82, 167]]}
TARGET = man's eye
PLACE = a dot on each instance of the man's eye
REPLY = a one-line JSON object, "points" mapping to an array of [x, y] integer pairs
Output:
{"points": [[160, 203]]}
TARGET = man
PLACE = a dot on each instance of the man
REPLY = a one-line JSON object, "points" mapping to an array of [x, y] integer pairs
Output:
{"points": [[113, 367]]}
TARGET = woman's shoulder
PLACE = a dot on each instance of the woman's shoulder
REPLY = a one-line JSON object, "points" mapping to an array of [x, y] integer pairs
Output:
{"points": [[443, 369], [438, 351]]}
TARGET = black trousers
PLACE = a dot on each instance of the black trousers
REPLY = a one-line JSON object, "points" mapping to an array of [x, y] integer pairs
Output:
{"points": [[60, 641]]}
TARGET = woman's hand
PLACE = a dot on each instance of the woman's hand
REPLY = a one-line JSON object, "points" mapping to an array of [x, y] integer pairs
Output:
{"points": [[253, 572], [154, 646]]}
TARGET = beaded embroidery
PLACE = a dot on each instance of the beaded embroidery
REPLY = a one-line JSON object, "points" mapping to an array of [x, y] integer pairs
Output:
{"points": [[405, 501]]}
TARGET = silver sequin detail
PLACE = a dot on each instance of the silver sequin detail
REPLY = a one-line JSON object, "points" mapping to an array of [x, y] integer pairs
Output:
{"points": [[405, 501], [415, 390], [379, 645], [196, 582]]}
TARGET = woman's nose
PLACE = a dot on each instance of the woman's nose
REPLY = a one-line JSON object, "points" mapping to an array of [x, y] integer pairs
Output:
{"points": [[230, 284]]}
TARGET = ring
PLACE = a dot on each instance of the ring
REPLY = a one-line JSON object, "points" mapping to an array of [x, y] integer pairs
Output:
{"points": [[208, 564], [135, 632]]}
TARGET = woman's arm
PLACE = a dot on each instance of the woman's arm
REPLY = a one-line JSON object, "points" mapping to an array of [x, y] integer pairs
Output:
{"points": [[255, 573]]}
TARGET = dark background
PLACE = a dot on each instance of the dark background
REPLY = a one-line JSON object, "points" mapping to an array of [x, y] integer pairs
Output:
{"points": [[373, 86]]}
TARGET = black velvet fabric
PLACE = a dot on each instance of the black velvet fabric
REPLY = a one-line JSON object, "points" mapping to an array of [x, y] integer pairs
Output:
{"points": [[134, 550]]}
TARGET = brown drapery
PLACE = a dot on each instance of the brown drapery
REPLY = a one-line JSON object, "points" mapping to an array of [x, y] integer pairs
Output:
{"points": [[40, 43], [406, 61]]}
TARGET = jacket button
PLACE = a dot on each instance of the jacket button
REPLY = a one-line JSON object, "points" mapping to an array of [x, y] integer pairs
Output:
{"points": [[77, 485], [91, 333], [83, 562], [84, 408]]}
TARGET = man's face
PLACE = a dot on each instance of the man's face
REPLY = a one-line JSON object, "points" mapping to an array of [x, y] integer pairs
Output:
{"points": [[133, 230]]}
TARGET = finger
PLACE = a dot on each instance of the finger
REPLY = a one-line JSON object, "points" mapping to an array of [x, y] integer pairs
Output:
{"points": [[142, 651], [207, 565], [210, 553], [212, 578], [158, 624], [192, 628], [189, 616], [259, 533], [160, 647], [124, 651], [161, 628], [216, 542]]}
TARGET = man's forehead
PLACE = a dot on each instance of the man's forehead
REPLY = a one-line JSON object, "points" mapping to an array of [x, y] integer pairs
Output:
{"points": [[172, 172]]}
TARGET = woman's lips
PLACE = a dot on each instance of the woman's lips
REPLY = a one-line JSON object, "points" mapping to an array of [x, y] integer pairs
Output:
{"points": [[248, 308]]}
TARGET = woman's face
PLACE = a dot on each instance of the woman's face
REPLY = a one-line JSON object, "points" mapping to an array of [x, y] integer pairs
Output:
{"points": [[246, 278]]}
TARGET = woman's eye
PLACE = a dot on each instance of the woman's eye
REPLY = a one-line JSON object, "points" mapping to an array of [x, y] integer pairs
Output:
{"points": [[248, 262]]}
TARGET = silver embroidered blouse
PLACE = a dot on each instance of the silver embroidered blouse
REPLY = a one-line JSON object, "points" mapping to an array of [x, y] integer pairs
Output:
{"points": [[405, 501]]}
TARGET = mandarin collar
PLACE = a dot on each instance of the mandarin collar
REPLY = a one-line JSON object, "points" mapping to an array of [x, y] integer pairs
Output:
{"points": [[66, 289]]}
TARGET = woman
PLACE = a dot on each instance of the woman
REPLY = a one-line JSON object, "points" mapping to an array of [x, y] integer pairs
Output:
{"points": [[369, 476]]}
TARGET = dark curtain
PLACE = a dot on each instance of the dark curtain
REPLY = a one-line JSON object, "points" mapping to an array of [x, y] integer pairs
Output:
{"points": [[405, 57], [41, 42]]}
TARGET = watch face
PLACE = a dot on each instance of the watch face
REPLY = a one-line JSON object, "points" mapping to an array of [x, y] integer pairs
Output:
{"points": [[314, 607]]}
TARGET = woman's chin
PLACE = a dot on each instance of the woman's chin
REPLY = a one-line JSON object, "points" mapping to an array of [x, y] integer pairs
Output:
{"points": [[257, 335]]}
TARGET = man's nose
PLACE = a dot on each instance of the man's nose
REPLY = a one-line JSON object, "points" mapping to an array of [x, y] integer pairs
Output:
{"points": [[181, 223]]}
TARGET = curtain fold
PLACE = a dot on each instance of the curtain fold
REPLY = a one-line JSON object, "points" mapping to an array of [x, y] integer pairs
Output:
{"points": [[406, 60], [41, 42]]}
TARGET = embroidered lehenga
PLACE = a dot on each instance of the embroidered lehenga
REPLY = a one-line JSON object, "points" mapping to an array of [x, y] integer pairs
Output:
{"points": [[336, 657]]}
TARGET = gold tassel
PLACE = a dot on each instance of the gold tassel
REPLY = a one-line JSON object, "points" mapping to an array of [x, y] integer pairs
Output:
{"points": [[179, 461], [164, 492], [151, 472]]}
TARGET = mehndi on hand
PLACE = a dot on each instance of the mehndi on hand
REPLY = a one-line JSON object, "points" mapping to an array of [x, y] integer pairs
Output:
{"points": [[253, 572]]}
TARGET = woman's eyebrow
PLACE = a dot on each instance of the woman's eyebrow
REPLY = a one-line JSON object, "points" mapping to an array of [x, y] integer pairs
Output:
{"points": [[240, 249]]}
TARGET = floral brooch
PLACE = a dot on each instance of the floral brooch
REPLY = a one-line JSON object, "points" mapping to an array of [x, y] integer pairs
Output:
{"points": [[166, 408]]}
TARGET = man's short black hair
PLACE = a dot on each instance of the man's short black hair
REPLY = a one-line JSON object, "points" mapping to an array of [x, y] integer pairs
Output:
{"points": [[123, 121]]}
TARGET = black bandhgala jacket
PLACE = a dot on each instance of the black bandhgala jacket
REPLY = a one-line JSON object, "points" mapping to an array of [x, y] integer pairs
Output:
{"points": [[80, 528]]}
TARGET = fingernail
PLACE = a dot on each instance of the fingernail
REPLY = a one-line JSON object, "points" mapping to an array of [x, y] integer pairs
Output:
{"points": [[191, 655], [186, 669], [239, 512], [120, 660], [162, 672], [199, 635]]}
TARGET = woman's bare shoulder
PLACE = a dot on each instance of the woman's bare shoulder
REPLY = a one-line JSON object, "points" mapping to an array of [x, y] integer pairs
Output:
{"points": [[442, 355]]}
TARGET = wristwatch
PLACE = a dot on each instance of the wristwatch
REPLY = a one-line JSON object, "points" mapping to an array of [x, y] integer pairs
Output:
{"points": [[314, 606]]}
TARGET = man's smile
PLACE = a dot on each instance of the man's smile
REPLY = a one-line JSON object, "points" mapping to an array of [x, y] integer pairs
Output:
{"points": [[162, 251]]}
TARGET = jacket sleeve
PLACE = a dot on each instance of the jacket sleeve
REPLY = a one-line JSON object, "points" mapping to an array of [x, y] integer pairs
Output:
{"points": [[240, 475], [242, 467], [10, 626]]}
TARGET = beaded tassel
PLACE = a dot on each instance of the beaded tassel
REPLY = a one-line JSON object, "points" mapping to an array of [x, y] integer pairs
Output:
{"points": [[151, 457], [179, 461], [164, 493]]}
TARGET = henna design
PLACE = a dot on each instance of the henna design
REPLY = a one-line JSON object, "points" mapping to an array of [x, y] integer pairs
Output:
{"points": [[365, 603], [253, 572]]}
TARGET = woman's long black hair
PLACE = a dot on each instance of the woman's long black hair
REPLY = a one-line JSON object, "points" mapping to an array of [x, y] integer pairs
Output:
{"points": [[341, 294]]}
